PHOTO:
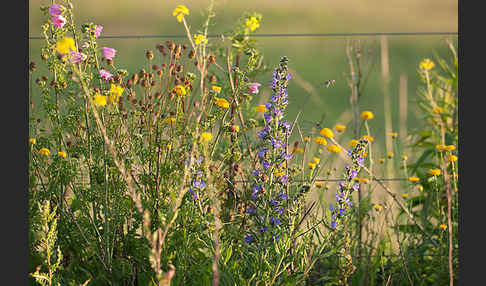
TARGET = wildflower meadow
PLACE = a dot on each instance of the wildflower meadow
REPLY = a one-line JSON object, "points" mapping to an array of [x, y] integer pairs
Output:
{"points": [[190, 170]]}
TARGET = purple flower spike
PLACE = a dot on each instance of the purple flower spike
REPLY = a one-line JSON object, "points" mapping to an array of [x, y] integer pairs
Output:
{"points": [[333, 224]]}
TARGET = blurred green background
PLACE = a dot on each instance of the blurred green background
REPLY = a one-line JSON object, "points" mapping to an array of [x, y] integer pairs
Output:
{"points": [[314, 59]]}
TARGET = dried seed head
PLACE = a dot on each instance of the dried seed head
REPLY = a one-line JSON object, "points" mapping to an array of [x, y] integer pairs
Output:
{"points": [[129, 83], [178, 49], [144, 82], [171, 45], [158, 95], [45, 78], [118, 79], [135, 78], [184, 46], [153, 83], [212, 59], [159, 72], [212, 79], [64, 84]]}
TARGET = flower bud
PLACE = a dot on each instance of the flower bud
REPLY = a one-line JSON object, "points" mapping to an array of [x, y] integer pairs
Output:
{"points": [[129, 83], [44, 78], [192, 54], [159, 72], [135, 78], [144, 82], [184, 46], [171, 45], [212, 79], [44, 57], [212, 59], [149, 55], [32, 66], [155, 67]]}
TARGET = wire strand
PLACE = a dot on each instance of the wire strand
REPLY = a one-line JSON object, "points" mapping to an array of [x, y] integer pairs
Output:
{"points": [[279, 35]]}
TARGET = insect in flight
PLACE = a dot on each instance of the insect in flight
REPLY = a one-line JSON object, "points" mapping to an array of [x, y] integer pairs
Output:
{"points": [[328, 83]]}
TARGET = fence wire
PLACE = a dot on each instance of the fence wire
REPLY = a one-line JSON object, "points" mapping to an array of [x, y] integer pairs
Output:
{"points": [[278, 35]]}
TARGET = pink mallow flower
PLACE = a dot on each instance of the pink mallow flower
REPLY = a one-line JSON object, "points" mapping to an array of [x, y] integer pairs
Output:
{"points": [[109, 53], [58, 21], [98, 31], [76, 57], [55, 10], [254, 87], [106, 75]]}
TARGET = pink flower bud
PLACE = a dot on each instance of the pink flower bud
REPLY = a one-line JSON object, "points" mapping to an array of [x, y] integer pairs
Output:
{"points": [[254, 87], [58, 21], [109, 53]]}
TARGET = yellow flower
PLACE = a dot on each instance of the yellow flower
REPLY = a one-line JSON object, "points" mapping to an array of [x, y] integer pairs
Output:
{"points": [[312, 165], [389, 155], [327, 187], [298, 150], [45, 151], [115, 92], [340, 127], [443, 226], [180, 90], [367, 115], [216, 88], [321, 141], [334, 148], [434, 172], [449, 147], [370, 139], [439, 148], [426, 64], [362, 180], [413, 179], [451, 158], [438, 110], [200, 39], [235, 128], [329, 172], [393, 134], [404, 196], [279, 174], [307, 138], [99, 100], [170, 120], [326, 132], [169, 147], [420, 187], [365, 154], [206, 136], [32, 140], [252, 23], [318, 184], [221, 102], [316, 160], [180, 11], [62, 154], [261, 108], [353, 142], [377, 207], [404, 157], [382, 160], [65, 45]]}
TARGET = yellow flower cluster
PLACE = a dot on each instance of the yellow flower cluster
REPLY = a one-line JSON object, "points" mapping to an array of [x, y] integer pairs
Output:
{"points": [[62, 154], [389, 155], [180, 90], [252, 23], [413, 179], [316, 160], [65, 45], [393, 134], [45, 151], [426, 64], [206, 136], [443, 226], [334, 148], [434, 172], [326, 132], [221, 102], [367, 115], [340, 127], [216, 88], [298, 150], [312, 165], [115, 92], [377, 207], [200, 39], [321, 141], [170, 120], [370, 139], [99, 100], [452, 158], [235, 128], [353, 142], [180, 11], [261, 108], [405, 196], [32, 140]]}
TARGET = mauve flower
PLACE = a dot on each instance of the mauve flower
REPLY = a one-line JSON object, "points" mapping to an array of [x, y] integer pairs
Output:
{"points": [[265, 164], [106, 75], [342, 212], [76, 57], [283, 196], [280, 210], [256, 173], [98, 31], [262, 230], [55, 10], [109, 53], [273, 202], [251, 210], [333, 225], [58, 21], [248, 238], [286, 124], [254, 87], [261, 153]]}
